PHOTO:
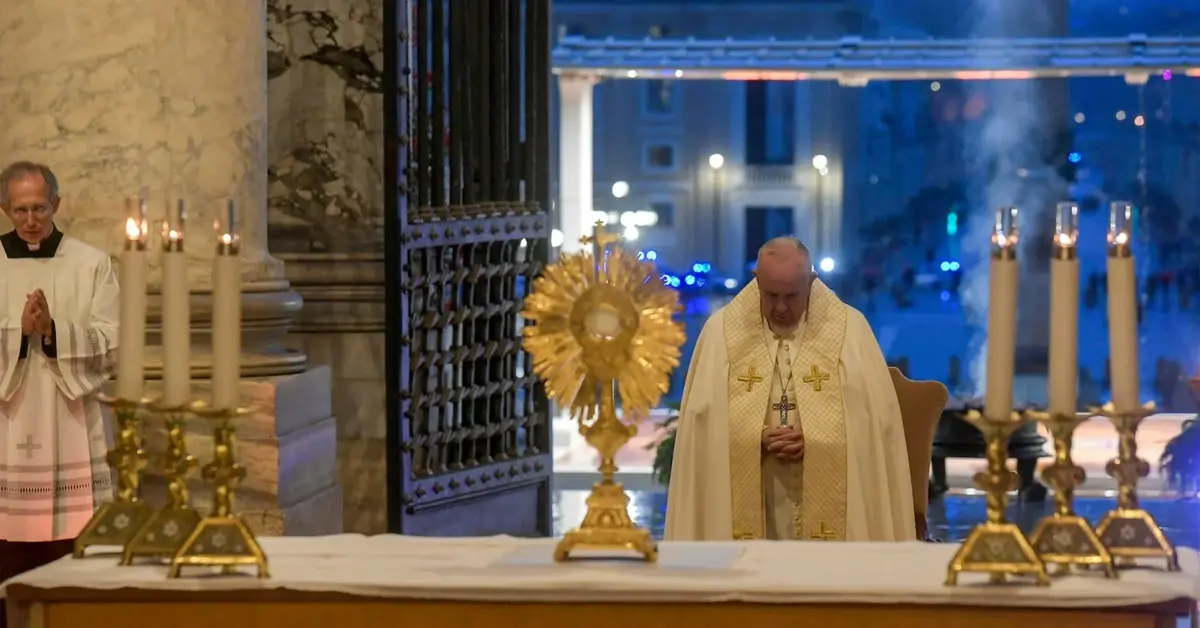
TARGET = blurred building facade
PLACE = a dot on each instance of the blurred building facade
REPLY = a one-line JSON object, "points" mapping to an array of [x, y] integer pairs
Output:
{"points": [[656, 142]]}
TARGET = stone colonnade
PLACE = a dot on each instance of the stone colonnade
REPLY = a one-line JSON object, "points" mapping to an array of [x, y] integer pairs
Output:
{"points": [[170, 96]]}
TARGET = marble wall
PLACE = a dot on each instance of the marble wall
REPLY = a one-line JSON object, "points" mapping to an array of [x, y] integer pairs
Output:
{"points": [[325, 94], [325, 145]]}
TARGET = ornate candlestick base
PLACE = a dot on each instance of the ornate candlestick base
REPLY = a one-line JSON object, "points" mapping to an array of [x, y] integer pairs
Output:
{"points": [[115, 522], [1064, 538], [168, 527], [996, 547], [1128, 531], [221, 539]]}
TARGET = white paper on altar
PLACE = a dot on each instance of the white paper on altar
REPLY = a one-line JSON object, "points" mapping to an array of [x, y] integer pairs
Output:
{"points": [[473, 569], [709, 557]]}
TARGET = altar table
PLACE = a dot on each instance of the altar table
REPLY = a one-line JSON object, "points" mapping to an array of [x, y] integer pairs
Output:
{"points": [[498, 582]]}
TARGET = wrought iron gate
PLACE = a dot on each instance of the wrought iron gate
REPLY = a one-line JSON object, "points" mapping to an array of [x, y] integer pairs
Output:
{"points": [[467, 169]]}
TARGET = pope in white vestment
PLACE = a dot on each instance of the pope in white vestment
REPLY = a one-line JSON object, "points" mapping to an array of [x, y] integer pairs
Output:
{"points": [[790, 427]]}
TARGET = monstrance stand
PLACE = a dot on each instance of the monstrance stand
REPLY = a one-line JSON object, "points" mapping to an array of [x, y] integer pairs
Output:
{"points": [[603, 328]]}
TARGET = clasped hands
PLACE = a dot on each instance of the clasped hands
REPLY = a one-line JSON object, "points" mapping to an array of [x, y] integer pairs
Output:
{"points": [[784, 443], [35, 319]]}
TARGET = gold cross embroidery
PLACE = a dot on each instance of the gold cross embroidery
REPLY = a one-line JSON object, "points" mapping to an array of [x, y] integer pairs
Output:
{"points": [[749, 379], [824, 533], [815, 377]]}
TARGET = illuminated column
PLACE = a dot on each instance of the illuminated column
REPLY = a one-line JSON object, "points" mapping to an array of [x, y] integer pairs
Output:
{"points": [[575, 159]]}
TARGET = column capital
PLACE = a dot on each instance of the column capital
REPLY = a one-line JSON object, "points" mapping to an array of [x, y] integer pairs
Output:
{"points": [[577, 79]]}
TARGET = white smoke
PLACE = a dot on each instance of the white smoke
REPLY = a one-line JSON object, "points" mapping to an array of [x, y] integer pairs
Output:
{"points": [[1007, 151]]}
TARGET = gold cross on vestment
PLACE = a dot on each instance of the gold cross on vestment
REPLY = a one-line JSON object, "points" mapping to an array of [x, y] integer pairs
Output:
{"points": [[824, 533], [815, 377], [750, 378]]}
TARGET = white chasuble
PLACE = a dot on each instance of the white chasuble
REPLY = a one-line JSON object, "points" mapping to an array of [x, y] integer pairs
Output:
{"points": [[52, 434], [853, 483]]}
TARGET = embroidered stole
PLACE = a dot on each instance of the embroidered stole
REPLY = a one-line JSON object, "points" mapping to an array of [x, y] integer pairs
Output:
{"points": [[821, 511]]}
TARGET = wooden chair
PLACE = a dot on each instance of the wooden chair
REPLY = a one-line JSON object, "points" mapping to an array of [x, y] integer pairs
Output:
{"points": [[921, 405]]}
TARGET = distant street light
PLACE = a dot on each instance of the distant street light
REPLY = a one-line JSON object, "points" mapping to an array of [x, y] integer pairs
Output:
{"points": [[715, 161], [620, 189]]}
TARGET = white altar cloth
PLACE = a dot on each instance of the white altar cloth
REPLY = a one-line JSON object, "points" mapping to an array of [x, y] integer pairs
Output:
{"points": [[499, 569]]}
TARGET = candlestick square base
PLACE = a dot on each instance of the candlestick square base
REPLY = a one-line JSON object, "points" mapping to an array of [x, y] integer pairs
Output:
{"points": [[163, 534], [114, 524], [1132, 533], [1066, 540], [223, 542], [999, 550]]}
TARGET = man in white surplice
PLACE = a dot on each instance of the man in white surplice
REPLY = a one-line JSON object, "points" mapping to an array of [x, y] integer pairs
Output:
{"points": [[790, 427], [59, 309]]}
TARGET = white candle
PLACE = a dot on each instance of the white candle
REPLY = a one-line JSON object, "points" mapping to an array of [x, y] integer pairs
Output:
{"points": [[1122, 310], [131, 340], [1002, 316], [1064, 313], [227, 314], [176, 315]]}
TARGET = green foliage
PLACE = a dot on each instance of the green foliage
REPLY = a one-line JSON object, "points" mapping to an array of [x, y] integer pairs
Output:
{"points": [[664, 448], [1180, 461]]}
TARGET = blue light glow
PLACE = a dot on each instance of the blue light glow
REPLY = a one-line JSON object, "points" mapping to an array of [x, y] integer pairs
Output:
{"points": [[690, 280], [1074, 158]]}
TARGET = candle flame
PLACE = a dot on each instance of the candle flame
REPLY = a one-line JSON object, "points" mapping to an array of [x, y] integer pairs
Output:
{"points": [[1119, 237], [1065, 240], [226, 238], [133, 231]]}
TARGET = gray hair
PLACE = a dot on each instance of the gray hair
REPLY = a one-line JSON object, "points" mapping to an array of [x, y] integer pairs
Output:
{"points": [[22, 169], [781, 244]]}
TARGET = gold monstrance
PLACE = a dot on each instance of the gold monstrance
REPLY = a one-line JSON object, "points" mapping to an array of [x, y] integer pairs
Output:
{"points": [[602, 326]]}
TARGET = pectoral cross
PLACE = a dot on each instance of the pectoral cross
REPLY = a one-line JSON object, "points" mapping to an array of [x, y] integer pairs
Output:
{"points": [[815, 377], [750, 378], [824, 533], [783, 407]]}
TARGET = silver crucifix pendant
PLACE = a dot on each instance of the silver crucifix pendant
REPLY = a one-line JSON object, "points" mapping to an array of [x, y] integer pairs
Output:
{"points": [[783, 407]]}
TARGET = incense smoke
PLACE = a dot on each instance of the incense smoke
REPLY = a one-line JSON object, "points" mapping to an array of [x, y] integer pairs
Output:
{"points": [[1008, 157]]}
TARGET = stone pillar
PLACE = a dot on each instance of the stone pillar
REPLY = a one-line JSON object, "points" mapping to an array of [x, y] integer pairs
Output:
{"points": [[575, 171], [167, 96]]}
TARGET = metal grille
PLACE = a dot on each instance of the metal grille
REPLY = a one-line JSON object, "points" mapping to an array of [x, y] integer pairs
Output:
{"points": [[469, 426]]}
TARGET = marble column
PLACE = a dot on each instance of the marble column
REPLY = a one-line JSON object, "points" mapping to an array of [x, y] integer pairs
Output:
{"points": [[163, 95], [170, 96], [575, 129]]}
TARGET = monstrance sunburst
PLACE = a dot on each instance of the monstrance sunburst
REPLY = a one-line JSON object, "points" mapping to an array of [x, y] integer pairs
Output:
{"points": [[602, 328]]}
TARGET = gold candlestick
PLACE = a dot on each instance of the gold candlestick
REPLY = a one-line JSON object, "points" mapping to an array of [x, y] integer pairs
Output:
{"points": [[1064, 538], [1128, 531], [115, 522], [169, 526], [996, 547], [602, 323], [221, 539]]}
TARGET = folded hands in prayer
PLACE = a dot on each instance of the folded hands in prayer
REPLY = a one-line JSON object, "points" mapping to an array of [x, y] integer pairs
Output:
{"points": [[36, 316], [784, 443]]}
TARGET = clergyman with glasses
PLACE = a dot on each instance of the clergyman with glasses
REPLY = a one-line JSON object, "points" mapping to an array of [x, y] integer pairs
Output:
{"points": [[59, 309]]}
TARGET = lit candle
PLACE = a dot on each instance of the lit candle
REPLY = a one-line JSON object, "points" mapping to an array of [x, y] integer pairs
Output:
{"points": [[227, 313], [132, 335], [1122, 309], [176, 317], [1002, 316], [1064, 312]]}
